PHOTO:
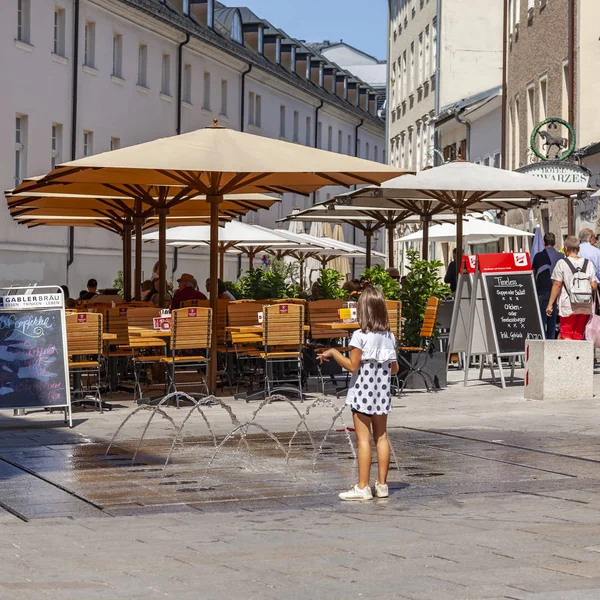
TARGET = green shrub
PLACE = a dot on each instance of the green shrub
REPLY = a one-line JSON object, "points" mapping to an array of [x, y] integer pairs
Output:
{"points": [[380, 278], [421, 283], [327, 287]]}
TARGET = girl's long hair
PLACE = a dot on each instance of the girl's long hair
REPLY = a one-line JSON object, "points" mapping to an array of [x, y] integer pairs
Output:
{"points": [[372, 311]]}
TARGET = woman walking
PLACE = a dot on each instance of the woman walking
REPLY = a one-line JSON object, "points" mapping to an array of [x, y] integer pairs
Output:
{"points": [[372, 362]]}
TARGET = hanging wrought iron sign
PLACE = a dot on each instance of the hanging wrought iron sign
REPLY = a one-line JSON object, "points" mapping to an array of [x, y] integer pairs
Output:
{"points": [[554, 145]]}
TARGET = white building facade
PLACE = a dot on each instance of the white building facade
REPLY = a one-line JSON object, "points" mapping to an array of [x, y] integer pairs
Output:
{"points": [[145, 69], [440, 52]]}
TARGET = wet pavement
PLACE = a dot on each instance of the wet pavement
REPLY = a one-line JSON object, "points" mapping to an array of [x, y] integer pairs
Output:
{"points": [[492, 497]]}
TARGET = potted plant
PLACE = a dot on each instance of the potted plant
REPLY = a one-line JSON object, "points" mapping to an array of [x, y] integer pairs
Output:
{"points": [[380, 278], [421, 283], [327, 287]]}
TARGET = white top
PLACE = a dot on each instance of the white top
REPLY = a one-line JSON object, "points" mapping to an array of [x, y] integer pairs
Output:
{"points": [[369, 391], [562, 272]]}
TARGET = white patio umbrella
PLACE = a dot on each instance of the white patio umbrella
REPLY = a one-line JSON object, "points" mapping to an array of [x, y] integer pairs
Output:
{"points": [[246, 238], [474, 231]]}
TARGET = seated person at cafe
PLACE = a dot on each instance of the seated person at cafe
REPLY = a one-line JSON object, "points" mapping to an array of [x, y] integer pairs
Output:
{"points": [[222, 292], [154, 293], [145, 290], [92, 290], [186, 291]]}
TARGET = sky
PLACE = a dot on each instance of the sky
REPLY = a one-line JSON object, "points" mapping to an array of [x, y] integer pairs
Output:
{"points": [[361, 23]]}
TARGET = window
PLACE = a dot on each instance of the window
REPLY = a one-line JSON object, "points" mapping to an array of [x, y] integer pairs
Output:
{"points": [[410, 149], [308, 130], [261, 40], [282, 121], [403, 152], [404, 76], [258, 111], [59, 32], [427, 71], [411, 73], [511, 137], [349, 146], [565, 91], [187, 84], [88, 143], [165, 75], [210, 13], [424, 132], [20, 148], [420, 59], [206, 91], [186, 7], [250, 108], [319, 134], [339, 144], [115, 143], [530, 109], [486, 161], [224, 101], [330, 138], [496, 162], [434, 45], [367, 150], [236, 28], [278, 51], [143, 65], [89, 44], [517, 12], [530, 5], [543, 110], [418, 150], [117, 68], [56, 148], [23, 20], [293, 59], [296, 125]]}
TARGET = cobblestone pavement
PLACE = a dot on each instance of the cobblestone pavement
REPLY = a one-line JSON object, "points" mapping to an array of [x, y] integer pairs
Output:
{"points": [[495, 497]]}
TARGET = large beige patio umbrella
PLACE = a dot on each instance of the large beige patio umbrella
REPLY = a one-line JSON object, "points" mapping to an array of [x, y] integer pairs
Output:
{"points": [[215, 161], [462, 186]]}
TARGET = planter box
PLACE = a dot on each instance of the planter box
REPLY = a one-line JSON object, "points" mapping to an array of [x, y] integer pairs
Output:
{"points": [[433, 366]]}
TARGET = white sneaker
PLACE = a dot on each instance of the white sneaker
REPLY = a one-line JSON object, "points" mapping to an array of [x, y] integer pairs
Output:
{"points": [[380, 490], [356, 493]]}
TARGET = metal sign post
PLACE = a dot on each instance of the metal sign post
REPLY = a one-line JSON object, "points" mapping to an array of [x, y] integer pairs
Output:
{"points": [[34, 363]]}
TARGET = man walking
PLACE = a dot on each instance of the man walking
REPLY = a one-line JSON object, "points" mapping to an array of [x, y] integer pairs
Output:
{"points": [[587, 249], [543, 265]]}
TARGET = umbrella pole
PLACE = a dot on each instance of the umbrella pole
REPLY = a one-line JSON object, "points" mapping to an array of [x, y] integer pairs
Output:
{"points": [[369, 235], [138, 257], [162, 255], [425, 249], [459, 235], [127, 260], [251, 260], [214, 202], [222, 264], [390, 233], [301, 261]]}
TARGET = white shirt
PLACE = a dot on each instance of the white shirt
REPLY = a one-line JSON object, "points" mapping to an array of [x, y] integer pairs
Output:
{"points": [[562, 272]]}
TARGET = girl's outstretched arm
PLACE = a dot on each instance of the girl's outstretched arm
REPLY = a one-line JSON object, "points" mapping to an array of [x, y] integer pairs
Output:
{"points": [[351, 363]]}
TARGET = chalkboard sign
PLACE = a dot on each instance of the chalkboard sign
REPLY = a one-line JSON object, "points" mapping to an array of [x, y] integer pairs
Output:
{"points": [[33, 372]]}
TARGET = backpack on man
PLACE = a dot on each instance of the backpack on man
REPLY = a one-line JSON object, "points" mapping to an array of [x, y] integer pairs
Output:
{"points": [[581, 287]]}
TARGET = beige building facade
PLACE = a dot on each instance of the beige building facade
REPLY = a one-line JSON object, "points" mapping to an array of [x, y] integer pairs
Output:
{"points": [[541, 44]]}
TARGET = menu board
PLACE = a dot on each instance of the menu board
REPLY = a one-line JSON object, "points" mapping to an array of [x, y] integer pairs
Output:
{"points": [[514, 310], [32, 358]]}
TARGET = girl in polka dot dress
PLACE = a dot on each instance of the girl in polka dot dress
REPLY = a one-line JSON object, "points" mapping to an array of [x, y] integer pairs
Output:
{"points": [[372, 362]]}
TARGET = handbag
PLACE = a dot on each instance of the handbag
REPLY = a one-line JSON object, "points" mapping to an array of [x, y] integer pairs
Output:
{"points": [[592, 329]]}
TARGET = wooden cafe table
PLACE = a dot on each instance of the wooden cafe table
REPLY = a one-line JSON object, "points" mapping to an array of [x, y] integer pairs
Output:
{"points": [[338, 325]]}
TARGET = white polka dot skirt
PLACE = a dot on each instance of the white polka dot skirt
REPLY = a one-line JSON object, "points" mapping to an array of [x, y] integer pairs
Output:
{"points": [[370, 388]]}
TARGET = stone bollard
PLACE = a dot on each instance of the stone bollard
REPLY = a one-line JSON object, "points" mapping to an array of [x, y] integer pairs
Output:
{"points": [[559, 370]]}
